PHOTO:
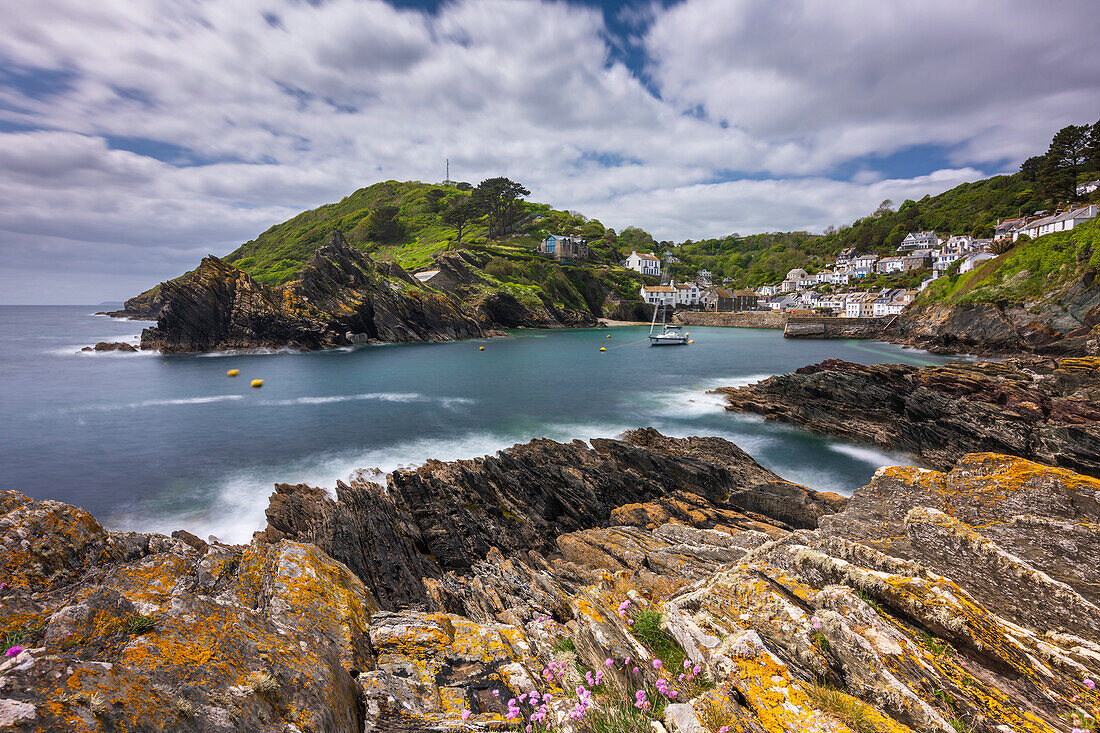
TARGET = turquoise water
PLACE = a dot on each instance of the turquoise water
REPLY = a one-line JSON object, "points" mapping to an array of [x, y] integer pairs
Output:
{"points": [[150, 442]]}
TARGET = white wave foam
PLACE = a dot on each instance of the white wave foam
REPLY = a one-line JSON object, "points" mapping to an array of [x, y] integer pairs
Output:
{"points": [[371, 396], [872, 456], [152, 403], [233, 507]]}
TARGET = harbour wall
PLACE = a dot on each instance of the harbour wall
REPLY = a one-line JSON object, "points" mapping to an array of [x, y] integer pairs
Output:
{"points": [[824, 327], [741, 319]]}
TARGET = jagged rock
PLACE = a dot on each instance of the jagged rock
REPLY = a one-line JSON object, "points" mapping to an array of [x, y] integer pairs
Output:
{"points": [[445, 517], [943, 412], [339, 291], [930, 601], [110, 346], [1061, 324]]}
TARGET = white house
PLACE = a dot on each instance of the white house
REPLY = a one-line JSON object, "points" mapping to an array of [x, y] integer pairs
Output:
{"points": [[703, 275], [860, 272], [781, 302], [860, 305], [974, 259], [1087, 188], [1056, 223], [919, 240], [767, 291], [943, 260], [860, 262], [796, 274], [658, 295], [890, 264], [840, 278], [644, 263], [959, 243], [688, 293]]}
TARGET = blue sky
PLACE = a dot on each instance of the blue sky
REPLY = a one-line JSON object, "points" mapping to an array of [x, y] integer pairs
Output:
{"points": [[138, 135]]}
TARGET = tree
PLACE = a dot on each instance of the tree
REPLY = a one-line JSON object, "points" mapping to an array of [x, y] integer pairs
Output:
{"points": [[886, 207], [1068, 153], [499, 199], [1031, 167], [383, 224], [459, 213]]}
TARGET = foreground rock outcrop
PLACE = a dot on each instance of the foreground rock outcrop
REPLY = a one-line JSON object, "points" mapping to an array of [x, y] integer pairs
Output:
{"points": [[1048, 413], [340, 297], [716, 597]]}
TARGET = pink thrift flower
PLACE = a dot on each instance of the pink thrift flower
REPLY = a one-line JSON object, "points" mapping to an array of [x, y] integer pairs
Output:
{"points": [[696, 669], [724, 729], [682, 676], [1088, 683], [656, 664], [635, 670], [609, 662], [816, 622], [687, 663], [496, 693], [13, 651], [466, 714]]}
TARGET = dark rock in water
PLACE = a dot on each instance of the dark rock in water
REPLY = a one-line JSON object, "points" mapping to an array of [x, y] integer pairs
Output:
{"points": [[340, 291], [1048, 414], [110, 346]]}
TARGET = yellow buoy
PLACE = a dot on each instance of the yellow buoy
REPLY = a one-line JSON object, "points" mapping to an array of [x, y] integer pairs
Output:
{"points": [[257, 382], [603, 348], [691, 341], [481, 348], [609, 335], [233, 372]]}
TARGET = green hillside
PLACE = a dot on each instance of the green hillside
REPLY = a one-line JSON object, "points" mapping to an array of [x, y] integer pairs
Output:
{"points": [[1026, 272], [404, 222]]}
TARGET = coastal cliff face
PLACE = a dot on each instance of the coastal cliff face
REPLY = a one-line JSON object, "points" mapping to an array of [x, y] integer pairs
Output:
{"points": [[340, 297], [1049, 414], [1066, 323], [461, 273], [929, 601]]}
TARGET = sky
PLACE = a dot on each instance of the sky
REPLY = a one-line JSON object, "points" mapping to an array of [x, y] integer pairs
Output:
{"points": [[137, 136]]}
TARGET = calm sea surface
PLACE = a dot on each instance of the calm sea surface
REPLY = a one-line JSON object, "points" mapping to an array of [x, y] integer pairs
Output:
{"points": [[151, 442]]}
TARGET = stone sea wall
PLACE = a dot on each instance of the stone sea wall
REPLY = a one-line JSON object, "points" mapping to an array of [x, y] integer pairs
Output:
{"points": [[825, 327], [743, 319]]}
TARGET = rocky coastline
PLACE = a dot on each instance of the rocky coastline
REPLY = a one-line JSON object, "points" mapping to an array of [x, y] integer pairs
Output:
{"points": [[672, 582], [340, 297], [1047, 411], [1064, 323]]}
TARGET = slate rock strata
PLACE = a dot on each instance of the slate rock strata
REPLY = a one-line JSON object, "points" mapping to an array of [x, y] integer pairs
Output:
{"points": [[340, 297], [1066, 322], [445, 517], [1048, 413], [930, 601]]}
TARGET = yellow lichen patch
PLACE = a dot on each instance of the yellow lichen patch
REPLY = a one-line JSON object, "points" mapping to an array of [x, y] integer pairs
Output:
{"points": [[43, 543], [322, 595], [150, 580], [768, 690]]}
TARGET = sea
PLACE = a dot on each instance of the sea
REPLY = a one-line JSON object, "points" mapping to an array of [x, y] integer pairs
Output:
{"points": [[154, 442]]}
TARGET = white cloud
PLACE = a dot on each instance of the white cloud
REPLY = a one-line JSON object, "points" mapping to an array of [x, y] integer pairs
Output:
{"points": [[282, 105]]}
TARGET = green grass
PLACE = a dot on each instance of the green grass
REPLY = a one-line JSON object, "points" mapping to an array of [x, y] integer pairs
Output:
{"points": [[934, 645], [565, 644], [866, 598], [647, 629], [854, 713], [1026, 272], [616, 717], [138, 624]]}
